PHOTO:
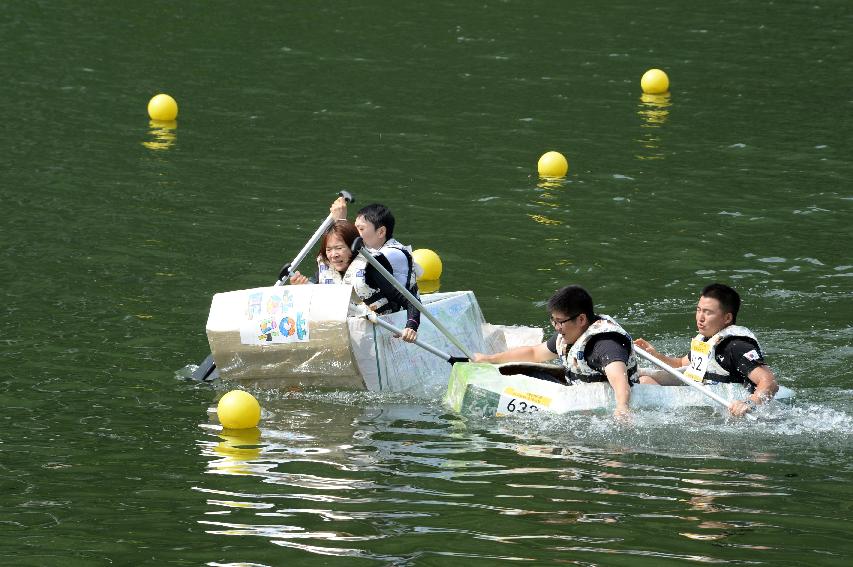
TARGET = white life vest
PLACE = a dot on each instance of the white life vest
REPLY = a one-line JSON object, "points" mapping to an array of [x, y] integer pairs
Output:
{"points": [[414, 269], [574, 358], [703, 360], [354, 276]]}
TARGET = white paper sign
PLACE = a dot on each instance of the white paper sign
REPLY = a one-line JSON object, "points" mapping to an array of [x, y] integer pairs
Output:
{"points": [[275, 315]]}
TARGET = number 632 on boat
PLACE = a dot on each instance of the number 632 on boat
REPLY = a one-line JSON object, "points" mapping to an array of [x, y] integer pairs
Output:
{"points": [[517, 402]]}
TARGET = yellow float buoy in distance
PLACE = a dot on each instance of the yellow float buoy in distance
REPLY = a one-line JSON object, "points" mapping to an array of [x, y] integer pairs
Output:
{"points": [[430, 262], [162, 107], [654, 81], [552, 164], [238, 410]]}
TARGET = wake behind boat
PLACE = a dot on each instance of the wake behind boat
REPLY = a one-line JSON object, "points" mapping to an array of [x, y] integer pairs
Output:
{"points": [[486, 390], [287, 336]]}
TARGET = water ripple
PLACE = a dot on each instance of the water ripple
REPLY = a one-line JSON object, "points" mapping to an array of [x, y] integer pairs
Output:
{"points": [[408, 476]]}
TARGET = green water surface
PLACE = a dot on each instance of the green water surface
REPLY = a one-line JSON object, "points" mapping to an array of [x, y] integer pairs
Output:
{"points": [[116, 232]]}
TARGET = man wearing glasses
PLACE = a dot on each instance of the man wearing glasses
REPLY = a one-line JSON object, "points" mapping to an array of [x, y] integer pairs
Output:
{"points": [[592, 348]]}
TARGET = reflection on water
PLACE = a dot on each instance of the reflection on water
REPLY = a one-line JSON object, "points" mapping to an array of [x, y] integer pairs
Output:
{"points": [[398, 480], [237, 450], [653, 110], [429, 286], [548, 197], [164, 134]]}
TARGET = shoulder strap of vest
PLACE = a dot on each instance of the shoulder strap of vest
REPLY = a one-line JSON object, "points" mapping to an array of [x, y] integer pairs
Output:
{"points": [[732, 332], [411, 277]]}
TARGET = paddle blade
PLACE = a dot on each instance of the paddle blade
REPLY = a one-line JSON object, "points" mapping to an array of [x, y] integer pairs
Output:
{"points": [[206, 371]]}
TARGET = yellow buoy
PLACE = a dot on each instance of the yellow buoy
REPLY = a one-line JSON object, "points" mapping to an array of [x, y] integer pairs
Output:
{"points": [[430, 262], [553, 164], [162, 107], [429, 286], [238, 410], [654, 81]]}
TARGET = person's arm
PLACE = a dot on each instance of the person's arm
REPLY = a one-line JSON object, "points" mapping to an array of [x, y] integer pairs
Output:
{"points": [[617, 375], [376, 280], [765, 388], [338, 210], [675, 362], [537, 353], [742, 358], [413, 320], [609, 354]]}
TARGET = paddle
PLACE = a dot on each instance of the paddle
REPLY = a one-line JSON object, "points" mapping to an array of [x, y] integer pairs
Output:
{"points": [[687, 381], [373, 318], [205, 370], [358, 248], [288, 269]]}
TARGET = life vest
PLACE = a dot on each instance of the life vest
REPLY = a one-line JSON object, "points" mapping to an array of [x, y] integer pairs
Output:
{"points": [[573, 356], [355, 276], [703, 360], [415, 270]]}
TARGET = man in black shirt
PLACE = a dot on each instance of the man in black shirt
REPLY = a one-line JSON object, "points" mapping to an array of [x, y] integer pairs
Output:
{"points": [[721, 352], [593, 348]]}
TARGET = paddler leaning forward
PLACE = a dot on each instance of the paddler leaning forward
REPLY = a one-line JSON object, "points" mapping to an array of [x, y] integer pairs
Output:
{"points": [[592, 348], [721, 352]]}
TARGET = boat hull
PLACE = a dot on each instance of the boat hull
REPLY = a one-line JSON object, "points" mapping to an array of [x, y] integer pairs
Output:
{"points": [[330, 349], [482, 390]]}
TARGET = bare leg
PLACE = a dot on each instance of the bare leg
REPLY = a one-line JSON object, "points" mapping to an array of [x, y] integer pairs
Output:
{"points": [[658, 377]]}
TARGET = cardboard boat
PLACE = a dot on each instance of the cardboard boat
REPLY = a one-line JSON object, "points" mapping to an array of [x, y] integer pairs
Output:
{"points": [[301, 335]]}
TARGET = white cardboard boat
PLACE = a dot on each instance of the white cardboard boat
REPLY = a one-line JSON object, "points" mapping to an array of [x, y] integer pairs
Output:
{"points": [[301, 335], [486, 390]]}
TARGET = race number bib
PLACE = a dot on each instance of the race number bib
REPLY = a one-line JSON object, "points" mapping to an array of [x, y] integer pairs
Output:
{"points": [[700, 353], [517, 402]]}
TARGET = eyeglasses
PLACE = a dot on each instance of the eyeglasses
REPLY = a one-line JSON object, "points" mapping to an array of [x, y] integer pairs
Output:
{"points": [[338, 248], [561, 322]]}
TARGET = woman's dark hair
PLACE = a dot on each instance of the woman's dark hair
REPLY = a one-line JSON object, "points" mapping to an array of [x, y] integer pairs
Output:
{"points": [[345, 230]]}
